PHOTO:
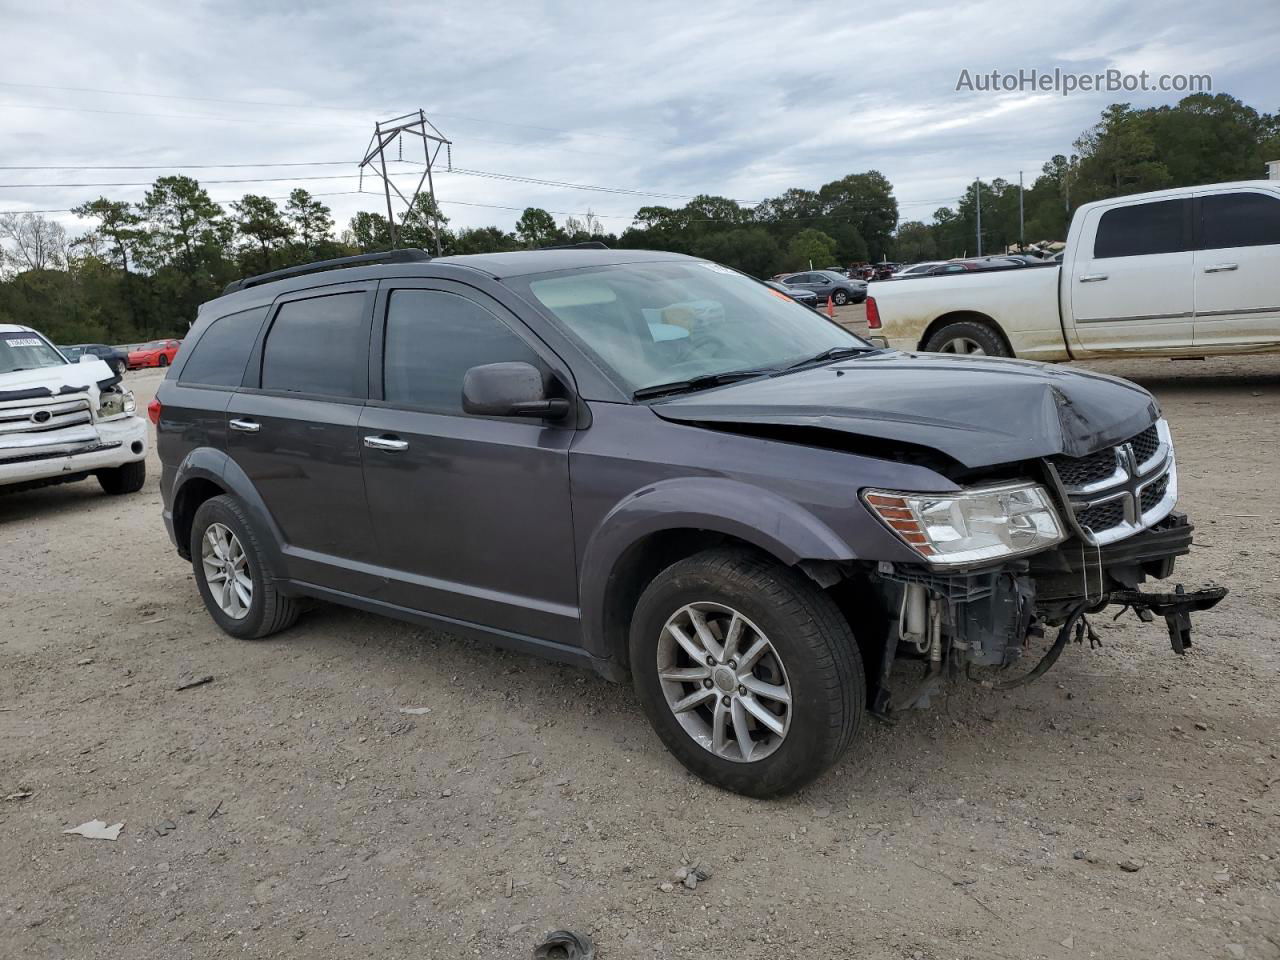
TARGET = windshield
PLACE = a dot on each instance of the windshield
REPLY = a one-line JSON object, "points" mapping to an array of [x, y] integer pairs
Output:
{"points": [[24, 350], [656, 323]]}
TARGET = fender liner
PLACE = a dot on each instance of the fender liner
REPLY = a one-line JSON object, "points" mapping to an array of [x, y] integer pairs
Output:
{"points": [[778, 526]]}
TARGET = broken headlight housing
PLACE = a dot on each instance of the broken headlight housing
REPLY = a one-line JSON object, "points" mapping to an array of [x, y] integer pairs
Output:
{"points": [[973, 525], [114, 402]]}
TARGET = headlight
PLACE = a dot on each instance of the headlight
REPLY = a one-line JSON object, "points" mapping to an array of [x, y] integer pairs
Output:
{"points": [[115, 403], [983, 523]]}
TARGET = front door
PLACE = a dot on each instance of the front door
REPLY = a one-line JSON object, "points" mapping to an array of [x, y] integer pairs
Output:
{"points": [[471, 514], [1131, 287], [1237, 273], [292, 430]]}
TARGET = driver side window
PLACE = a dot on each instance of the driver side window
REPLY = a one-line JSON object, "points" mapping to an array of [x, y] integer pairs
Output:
{"points": [[432, 339]]}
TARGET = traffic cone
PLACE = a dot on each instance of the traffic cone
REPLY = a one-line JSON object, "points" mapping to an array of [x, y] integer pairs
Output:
{"points": [[831, 307]]}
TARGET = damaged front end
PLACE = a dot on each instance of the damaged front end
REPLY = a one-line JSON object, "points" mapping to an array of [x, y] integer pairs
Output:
{"points": [[1112, 530]]}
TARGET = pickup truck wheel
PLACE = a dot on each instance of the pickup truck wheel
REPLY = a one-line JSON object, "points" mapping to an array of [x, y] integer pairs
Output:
{"points": [[840, 298], [127, 478], [969, 338], [747, 671], [232, 574]]}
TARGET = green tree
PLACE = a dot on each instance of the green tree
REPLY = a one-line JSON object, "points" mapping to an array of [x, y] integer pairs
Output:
{"points": [[537, 228], [120, 228], [810, 248], [749, 249], [309, 218], [259, 221]]}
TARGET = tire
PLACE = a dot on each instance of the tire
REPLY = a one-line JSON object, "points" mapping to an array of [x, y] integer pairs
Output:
{"points": [[163, 361], [813, 656], [839, 298], [119, 368], [968, 337], [127, 478], [268, 611]]}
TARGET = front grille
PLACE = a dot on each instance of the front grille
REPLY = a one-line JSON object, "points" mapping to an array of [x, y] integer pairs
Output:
{"points": [[1109, 493], [1153, 493], [19, 417], [1102, 517], [1079, 471], [1145, 444]]}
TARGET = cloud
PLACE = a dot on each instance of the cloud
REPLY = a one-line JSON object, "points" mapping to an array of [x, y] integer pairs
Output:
{"points": [[740, 99]]}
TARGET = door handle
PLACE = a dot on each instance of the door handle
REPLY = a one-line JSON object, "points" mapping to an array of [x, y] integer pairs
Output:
{"points": [[1221, 267], [1092, 277], [386, 443], [245, 426]]}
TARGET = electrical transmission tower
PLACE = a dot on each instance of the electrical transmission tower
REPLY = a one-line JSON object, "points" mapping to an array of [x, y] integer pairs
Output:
{"points": [[391, 131]]}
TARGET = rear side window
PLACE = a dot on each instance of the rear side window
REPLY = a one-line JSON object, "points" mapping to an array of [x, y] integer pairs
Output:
{"points": [[317, 346], [433, 339], [1239, 220], [1143, 229], [219, 357]]}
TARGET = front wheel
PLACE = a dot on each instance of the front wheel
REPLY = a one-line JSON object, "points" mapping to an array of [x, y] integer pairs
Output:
{"points": [[747, 671], [163, 361], [127, 478], [968, 338], [840, 298]]}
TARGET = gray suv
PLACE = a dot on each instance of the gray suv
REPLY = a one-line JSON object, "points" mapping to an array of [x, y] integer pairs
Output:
{"points": [[828, 284], [655, 467]]}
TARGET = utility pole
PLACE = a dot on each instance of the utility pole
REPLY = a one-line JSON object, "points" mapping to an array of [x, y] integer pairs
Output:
{"points": [[977, 190], [1022, 237], [414, 124]]}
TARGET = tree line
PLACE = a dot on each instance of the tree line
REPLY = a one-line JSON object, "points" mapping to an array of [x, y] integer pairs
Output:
{"points": [[139, 270]]}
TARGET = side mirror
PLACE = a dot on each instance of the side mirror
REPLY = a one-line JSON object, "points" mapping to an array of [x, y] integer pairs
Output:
{"points": [[510, 390]]}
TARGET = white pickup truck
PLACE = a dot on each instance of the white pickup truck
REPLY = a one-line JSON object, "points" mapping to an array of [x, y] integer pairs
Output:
{"points": [[1189, 272], [62, 421]]}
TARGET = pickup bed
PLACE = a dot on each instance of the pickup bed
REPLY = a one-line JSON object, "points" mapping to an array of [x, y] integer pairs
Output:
{"points": [[1188, 272]]}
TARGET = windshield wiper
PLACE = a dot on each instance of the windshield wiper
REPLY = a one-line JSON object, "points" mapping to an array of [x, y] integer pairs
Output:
{"points": [[835, 353], [699, 383]]}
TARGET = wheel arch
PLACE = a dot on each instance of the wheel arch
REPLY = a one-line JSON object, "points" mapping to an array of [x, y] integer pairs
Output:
{"points": [[965, 316], [666, 523], [206, 473]]}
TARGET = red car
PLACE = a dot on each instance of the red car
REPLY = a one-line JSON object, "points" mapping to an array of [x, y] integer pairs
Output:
{"points": [[158, 353]]}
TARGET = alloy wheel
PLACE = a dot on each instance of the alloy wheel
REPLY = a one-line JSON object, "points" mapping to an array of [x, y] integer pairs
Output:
{"points": [[226, 571], [965, 346], [724, 682]]}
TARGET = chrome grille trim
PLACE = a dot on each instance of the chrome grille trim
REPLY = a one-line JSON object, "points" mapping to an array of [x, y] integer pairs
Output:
{"points": [[1126, 500]]}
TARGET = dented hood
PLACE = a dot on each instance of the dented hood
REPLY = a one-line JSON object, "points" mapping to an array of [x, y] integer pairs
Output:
{"points": [[980, 411], [49, 381]]}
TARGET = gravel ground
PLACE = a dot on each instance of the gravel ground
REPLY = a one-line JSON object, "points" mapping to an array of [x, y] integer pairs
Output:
{"points": [[1124, 807]]}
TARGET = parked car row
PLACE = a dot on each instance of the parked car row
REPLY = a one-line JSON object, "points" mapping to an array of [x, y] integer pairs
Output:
{"points": [[934, 268], [157, 353]]}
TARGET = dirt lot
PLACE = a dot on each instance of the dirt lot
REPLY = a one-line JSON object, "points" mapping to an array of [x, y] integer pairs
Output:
{"points": [[291, 808]]}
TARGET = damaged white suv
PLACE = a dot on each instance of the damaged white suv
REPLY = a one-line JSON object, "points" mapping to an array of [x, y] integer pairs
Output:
{"points": [[62, 421]]}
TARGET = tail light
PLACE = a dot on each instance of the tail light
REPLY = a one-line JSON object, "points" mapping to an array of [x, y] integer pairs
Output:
{"points": [[153, 411], [873, 314]]}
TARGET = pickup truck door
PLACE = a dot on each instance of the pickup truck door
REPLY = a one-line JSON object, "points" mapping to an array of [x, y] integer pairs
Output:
{"points": [[1237, 268], [1131, 278]]}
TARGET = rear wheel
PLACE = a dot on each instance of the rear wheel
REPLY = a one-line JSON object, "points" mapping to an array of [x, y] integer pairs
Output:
{"points": [[969, 338], [840, 298], [747, 671], [127, 478], [233, 574]]}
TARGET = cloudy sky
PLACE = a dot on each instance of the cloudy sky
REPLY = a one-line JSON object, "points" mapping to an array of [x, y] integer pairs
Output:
{"points": [[654, 101]]}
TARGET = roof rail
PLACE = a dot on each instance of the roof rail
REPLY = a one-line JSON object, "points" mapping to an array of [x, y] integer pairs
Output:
{"points": [[585, 245], [389, 256]]}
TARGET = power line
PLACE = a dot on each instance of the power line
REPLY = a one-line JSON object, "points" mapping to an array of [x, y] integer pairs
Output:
{"points": [[185, 166]]}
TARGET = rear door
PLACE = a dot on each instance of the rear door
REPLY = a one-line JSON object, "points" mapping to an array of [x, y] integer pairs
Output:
{"points": [[1237, 268], [472, 514], [292, 429], [1131, 283]]}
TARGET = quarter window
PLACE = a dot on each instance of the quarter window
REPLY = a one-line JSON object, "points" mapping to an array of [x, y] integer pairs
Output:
{"points": [[1142, 229], [1239, 220], [433, 339], [219, 357], [317, 346]]}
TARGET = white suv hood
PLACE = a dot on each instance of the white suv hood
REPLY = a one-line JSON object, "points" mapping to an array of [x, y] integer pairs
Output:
{"points": [[73, 377]]}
